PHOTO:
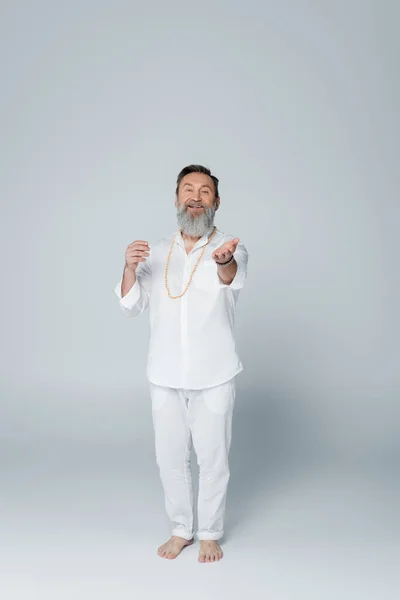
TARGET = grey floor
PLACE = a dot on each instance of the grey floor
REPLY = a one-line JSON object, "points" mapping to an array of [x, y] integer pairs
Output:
{"points": [[82, 517]]}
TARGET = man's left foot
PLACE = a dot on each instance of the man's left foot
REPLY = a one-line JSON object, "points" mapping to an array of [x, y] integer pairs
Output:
{"points": [[210, 551]]}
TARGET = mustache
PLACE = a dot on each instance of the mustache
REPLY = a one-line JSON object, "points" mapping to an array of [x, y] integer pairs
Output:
{"points": [[194, 203]]}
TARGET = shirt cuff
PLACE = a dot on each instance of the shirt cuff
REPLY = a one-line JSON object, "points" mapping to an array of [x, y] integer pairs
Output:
{"points": [[131, 298]]}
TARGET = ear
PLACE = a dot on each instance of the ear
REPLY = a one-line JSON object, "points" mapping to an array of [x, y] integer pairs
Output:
{"points": [[176, 201], [217, 202]]}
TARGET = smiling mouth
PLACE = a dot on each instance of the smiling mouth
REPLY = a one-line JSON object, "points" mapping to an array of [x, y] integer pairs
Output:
{"points": [[194, 206]]}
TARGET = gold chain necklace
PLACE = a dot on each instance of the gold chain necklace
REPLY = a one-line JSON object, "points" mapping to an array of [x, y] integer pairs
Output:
{"points": [[192, 273]]}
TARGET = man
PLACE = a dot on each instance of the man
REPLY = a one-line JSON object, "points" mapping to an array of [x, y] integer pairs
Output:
{"points": [[190, 281]]}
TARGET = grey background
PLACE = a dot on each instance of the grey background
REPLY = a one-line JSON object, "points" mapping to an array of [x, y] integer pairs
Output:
{"points": [[294, 106]]}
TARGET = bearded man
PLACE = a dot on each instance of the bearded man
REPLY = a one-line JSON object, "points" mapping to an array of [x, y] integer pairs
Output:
{"points": [[190, 281]]}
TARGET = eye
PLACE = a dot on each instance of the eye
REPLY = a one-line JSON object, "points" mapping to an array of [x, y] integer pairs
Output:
{"points": [[206, 192]]}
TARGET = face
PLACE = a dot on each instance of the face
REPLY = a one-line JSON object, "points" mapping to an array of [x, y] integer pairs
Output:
{"points": [[196, 193], [196, 204]]}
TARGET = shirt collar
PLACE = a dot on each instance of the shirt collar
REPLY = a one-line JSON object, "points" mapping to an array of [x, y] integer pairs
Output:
{"points": [[201, 242]]}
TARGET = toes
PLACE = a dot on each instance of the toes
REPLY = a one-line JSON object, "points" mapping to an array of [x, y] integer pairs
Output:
{"points": [[165, 553], [211, 555], [170, 550]]}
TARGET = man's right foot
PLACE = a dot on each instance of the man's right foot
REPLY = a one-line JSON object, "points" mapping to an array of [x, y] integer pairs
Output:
{"points": [[173, 547]]}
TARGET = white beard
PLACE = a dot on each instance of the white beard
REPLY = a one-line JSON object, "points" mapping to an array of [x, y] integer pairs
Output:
{"points": [[195, 226]]}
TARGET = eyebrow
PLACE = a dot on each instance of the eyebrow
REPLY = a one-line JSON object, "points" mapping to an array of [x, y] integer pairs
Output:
{"points": [[204, 185]]}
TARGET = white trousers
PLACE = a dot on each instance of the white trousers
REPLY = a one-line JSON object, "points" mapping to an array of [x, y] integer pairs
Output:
{"points": [[202, 419]]}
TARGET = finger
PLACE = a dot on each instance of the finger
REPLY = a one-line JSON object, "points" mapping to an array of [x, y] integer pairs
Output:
{"points": [[137, 251], [139, 259], [138, 244], [135, 248], [136, 261], [232, 246], [137, 255]]}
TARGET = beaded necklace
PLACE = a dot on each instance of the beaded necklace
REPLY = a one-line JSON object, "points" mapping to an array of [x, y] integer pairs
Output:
{"points": [[194, 269]]}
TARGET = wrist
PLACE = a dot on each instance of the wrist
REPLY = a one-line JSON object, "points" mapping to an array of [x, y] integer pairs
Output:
{"points": [[226, 263], [129, 270]]}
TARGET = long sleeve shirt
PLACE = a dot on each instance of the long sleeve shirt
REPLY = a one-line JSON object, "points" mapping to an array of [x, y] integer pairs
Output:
{"points": [[192, 343]]}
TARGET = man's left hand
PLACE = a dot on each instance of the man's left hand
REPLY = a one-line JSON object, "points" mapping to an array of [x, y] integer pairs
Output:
{"points": [[225, 252]]}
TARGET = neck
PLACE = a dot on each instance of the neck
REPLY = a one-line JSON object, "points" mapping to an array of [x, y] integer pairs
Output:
{"points": [[193, 239], [190, 238]]}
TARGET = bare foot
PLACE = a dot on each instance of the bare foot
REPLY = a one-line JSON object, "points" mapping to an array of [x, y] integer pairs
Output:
{"points": [[210, 551], [173, 547]]}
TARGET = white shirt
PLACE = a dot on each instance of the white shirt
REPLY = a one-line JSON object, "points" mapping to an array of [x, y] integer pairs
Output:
{"points": [[192, 344]]}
